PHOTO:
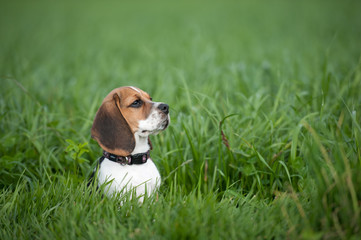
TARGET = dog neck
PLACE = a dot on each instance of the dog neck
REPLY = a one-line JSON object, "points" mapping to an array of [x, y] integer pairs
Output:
{"points": [[141, 144], [140, 154]]}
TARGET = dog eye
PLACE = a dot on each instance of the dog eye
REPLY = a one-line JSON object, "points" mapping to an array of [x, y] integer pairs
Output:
{"points": [[137, 103]]}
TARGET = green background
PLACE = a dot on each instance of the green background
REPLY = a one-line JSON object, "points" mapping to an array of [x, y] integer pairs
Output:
{"points": [[265, 105]]}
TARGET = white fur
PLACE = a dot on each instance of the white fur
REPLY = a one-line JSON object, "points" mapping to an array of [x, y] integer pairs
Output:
{"points": [[153, 124], [135, 89], [144, 179]]}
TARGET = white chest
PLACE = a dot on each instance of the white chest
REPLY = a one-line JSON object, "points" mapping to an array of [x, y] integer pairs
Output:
{"points": [[143, 178]]}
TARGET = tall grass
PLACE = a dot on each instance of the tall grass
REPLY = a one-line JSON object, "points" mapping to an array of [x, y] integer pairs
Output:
{"points": [[265, 132]]}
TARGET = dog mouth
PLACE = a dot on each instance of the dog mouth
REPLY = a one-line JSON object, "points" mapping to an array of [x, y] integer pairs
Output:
{"points": [[161, 127], [165, 124]]}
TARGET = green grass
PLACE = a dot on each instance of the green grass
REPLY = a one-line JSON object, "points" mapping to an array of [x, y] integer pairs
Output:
{"points": [[265, 132]]}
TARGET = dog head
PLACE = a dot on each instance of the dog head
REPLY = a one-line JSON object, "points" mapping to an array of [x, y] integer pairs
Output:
{"points": [[127, 111]]}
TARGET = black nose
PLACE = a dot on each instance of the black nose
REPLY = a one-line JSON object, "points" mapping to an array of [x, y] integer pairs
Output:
{"points": [[164, 108]]}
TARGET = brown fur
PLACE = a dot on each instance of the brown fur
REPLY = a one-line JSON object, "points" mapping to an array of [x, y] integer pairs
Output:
{"points": [[115, 122]]}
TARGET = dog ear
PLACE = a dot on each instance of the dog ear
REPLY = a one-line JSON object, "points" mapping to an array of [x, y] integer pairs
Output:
{"points": [[111, 130]]}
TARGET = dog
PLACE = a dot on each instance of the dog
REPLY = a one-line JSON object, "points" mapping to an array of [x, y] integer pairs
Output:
{"points": [[122, 125]]}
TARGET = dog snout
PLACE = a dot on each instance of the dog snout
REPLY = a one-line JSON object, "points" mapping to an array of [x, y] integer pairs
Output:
{"points": [[164, 108]]}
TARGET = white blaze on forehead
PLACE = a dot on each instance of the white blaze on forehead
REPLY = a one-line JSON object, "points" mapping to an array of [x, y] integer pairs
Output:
{"points": [[135, 89]]}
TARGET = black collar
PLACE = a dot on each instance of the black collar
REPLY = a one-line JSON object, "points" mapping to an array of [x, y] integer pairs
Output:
{"points": [[139, 158]]}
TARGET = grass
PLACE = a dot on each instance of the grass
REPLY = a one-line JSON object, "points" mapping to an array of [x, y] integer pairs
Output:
{"points": [[265, 132]]}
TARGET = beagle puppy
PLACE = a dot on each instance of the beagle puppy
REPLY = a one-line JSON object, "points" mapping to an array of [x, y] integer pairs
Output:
{"points": [[121, 127]]}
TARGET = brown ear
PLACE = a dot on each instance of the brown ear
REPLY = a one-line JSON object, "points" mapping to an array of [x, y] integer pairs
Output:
{"points": [[111, 130]]}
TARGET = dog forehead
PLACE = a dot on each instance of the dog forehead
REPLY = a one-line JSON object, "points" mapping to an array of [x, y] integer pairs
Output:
{"points": [[139, 91], [127, 92], [127, 95], [134, 91]]}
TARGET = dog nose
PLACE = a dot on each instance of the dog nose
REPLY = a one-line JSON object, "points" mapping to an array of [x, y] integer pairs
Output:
{"points": [[164, 108]]}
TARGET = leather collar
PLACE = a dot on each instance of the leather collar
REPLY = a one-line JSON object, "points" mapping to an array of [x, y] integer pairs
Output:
{"points": [[139, 158]]}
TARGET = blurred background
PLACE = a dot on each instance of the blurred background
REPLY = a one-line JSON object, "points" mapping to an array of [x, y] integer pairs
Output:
{"points": [[272, 62], [265, 105], [97, 46]]}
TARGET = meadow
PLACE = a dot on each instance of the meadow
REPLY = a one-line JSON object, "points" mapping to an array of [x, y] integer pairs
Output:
{"points": [[265, 103]]}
